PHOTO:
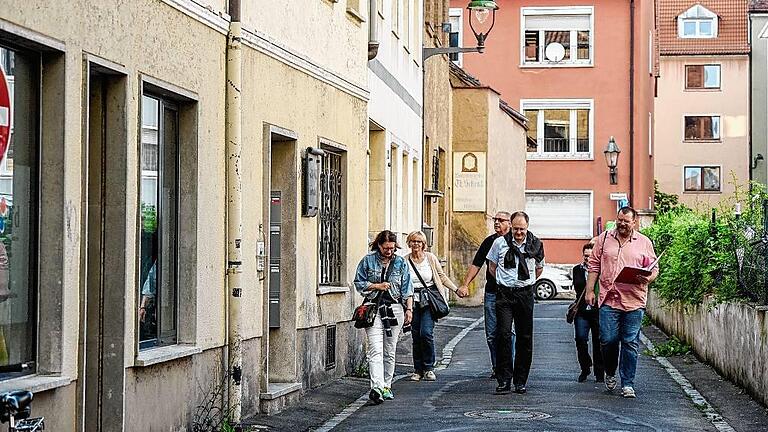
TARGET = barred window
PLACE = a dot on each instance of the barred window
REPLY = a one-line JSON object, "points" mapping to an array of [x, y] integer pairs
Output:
{"points": [[331, 202]]}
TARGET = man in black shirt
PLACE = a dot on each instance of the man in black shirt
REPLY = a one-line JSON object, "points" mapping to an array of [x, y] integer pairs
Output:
{"points": [[501, 226]]}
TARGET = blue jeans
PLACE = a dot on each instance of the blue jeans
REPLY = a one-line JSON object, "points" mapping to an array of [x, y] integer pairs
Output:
{"points": [[422, 332], [620, 327], [490, 327]]}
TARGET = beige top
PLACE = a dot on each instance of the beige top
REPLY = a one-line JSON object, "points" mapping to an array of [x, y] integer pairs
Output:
{"points": [[439, 276]]}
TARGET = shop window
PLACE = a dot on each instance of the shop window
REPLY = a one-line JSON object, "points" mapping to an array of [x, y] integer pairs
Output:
{"points": [[702, 179], [19, 208], [158, 281]]}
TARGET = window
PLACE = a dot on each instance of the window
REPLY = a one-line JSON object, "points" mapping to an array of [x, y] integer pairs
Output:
{"points": [[702, 128], [158, 286], [546, 210], [702, 179], [454, 37], [697, 22], [557, 36], [702, 77], [331, 223], [559, 129], [19, 214]]}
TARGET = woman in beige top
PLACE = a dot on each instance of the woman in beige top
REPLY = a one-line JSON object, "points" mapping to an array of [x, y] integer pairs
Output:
{"points": [[424, 264]]}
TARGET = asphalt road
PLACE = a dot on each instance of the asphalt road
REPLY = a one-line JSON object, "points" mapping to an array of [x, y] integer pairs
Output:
{"points": [[463, 399]]}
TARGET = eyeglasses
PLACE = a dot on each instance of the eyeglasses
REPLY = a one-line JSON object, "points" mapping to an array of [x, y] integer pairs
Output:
{"points": [[500, 220]]}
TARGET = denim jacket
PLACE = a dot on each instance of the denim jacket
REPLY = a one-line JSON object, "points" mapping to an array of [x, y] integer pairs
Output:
{"points": [[369, 272]]}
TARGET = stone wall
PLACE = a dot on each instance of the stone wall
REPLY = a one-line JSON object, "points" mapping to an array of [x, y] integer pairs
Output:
{"points": [[733, 338]]}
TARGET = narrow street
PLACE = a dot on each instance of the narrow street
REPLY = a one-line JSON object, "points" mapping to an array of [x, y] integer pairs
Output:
{"points": [[463, 399]]}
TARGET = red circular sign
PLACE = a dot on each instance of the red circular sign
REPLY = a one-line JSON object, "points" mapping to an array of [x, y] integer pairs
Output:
{"points": [[5, 114]]}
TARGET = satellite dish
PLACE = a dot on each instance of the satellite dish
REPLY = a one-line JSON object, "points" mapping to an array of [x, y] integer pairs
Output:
{"points": [[555, 52]]}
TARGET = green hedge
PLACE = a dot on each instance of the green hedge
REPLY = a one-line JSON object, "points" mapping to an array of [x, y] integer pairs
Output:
{"points": [[700, 255]]}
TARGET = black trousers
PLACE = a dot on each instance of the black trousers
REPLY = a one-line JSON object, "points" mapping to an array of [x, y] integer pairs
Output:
{"points": [[514, 305]]}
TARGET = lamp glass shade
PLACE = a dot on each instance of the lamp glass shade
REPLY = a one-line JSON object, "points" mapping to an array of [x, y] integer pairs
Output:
{"points": [[611, 153], [481, 15], [487, 5]]}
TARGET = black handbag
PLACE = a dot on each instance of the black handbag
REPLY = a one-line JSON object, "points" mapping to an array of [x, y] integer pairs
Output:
{"points": [[365, 314], [437, 304]]}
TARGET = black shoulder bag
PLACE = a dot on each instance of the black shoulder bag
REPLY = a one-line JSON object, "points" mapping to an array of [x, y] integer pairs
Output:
{"points": [[365, 314], [573, 308], [437, 304]]}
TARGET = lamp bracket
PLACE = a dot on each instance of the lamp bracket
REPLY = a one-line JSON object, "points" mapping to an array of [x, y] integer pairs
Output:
{"points": [[429, 52]]}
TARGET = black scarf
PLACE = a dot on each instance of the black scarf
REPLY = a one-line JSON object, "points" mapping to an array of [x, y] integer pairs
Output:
{"points": [[534, 248]]}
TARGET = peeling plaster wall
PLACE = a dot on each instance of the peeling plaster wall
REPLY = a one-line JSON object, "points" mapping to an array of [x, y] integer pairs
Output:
{"points": [[733, 338]]}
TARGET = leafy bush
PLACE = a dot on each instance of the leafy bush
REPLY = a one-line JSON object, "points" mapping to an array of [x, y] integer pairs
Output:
{"points": [[670, 348], [700, 259]]}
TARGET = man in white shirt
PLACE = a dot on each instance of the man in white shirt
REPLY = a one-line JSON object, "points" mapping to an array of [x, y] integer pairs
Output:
{"points": [[516, 260]]}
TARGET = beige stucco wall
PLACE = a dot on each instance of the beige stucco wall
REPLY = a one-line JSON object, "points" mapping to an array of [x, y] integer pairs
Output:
{"points": [[480, 125], [731, 102], [154, 39]]}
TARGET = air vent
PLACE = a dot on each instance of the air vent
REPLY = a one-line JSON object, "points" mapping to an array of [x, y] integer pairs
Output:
{"points": [[330, 347]]}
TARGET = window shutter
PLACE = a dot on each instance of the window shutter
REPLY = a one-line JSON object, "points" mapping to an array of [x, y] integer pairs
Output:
{"points": [[557, 22], [694, 76]]}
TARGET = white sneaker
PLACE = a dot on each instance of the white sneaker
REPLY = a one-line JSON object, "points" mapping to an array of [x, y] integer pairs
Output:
{"points": [[628, 392], [430, 376], [610, 382], [415, 376]]}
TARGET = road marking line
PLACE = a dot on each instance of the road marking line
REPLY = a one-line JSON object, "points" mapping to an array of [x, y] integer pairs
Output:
{"points": [[713, 416], [362, 400]]}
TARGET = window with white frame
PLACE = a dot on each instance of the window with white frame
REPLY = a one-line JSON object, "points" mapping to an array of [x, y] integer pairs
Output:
{"points": [[697, 22], [557, 36], [702, 77], [702, 128], [559, 129], [454, 37], [702, 178], [560, 214]]}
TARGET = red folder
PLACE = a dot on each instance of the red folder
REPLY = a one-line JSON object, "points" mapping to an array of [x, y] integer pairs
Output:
{"points": [[629, 274]]}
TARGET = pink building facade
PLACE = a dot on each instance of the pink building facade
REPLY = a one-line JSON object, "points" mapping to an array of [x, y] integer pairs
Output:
{"points": [[581, 72]]}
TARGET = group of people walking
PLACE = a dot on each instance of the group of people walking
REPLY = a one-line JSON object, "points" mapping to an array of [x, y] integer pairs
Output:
{"points": [[612, 311]]}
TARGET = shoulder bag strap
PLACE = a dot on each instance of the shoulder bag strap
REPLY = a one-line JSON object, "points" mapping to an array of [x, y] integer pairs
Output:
{"points": [[417, 273]]}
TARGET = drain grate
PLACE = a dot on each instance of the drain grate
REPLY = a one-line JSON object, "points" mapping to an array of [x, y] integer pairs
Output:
{"points": [[507, 415]]}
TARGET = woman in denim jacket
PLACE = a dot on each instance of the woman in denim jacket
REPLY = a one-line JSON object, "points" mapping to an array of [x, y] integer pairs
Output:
{"points": [[381, 272]]}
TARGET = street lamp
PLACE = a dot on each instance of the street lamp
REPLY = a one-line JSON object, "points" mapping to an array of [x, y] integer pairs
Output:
{"points": [[611, 153], [481, 10]]}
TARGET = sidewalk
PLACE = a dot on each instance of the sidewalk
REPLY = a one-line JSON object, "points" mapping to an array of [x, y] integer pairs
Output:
{"points": [[320, 404]]}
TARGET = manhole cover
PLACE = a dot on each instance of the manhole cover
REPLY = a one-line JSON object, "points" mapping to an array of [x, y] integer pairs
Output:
{"points": [[507, 415]]}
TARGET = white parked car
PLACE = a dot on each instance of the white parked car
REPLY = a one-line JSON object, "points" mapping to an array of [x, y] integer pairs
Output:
{"points": [[552, 281]]}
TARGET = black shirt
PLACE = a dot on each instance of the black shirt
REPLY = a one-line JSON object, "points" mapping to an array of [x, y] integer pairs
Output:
{"points": [[479, 260]]}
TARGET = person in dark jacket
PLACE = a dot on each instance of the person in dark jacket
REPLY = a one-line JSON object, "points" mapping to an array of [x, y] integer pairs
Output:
{"points": [[587, 319]]}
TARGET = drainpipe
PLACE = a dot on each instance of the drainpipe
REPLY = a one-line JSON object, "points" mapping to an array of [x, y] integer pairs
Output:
{"points": [[373, 30], [233, 114], [631, 102]]}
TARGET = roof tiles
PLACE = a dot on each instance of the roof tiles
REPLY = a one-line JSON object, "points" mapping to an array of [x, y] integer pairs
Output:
{"points": [[732, 34]]}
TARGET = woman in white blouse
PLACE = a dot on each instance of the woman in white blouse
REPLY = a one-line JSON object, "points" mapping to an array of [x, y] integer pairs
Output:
{"points": [[426, 271]]}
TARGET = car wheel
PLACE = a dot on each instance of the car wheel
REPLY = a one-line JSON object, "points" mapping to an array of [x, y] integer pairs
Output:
{"points": [[545, 290]]}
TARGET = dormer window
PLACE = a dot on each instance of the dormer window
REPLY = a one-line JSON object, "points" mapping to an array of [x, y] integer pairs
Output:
{"points": [[697, 22]]}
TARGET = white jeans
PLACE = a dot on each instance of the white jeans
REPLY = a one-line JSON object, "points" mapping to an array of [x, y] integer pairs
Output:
{"points": [[381, 349]]}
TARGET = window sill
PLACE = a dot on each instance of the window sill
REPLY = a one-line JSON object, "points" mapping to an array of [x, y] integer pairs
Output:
{"points": [[702, 142], [35, 383], [555, 65], [356, 15], [157, 355], [704, 90], [331, 289], [565, 156], [699, 192]]}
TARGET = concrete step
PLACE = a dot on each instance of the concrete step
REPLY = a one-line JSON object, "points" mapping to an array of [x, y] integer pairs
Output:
{"points": [[279, 396]]}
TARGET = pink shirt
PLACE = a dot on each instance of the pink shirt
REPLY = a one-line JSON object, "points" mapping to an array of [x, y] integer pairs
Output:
{"points": [[608, 260]]}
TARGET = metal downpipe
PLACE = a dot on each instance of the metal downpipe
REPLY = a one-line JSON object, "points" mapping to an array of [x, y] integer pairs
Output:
{"points": [[233, 134]]}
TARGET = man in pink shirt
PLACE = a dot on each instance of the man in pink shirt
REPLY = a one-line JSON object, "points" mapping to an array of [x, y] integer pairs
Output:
{"points": [[621, 304]]}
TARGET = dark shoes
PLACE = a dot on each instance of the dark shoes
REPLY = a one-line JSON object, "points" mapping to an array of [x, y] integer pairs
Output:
{"points": [[493, 374], [520, 389], [583, 376], [599, 379], [376, 396], [504, 387]]}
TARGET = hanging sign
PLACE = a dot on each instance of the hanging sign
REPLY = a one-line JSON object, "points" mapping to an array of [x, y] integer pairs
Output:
{"points": [[5, 114]]}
